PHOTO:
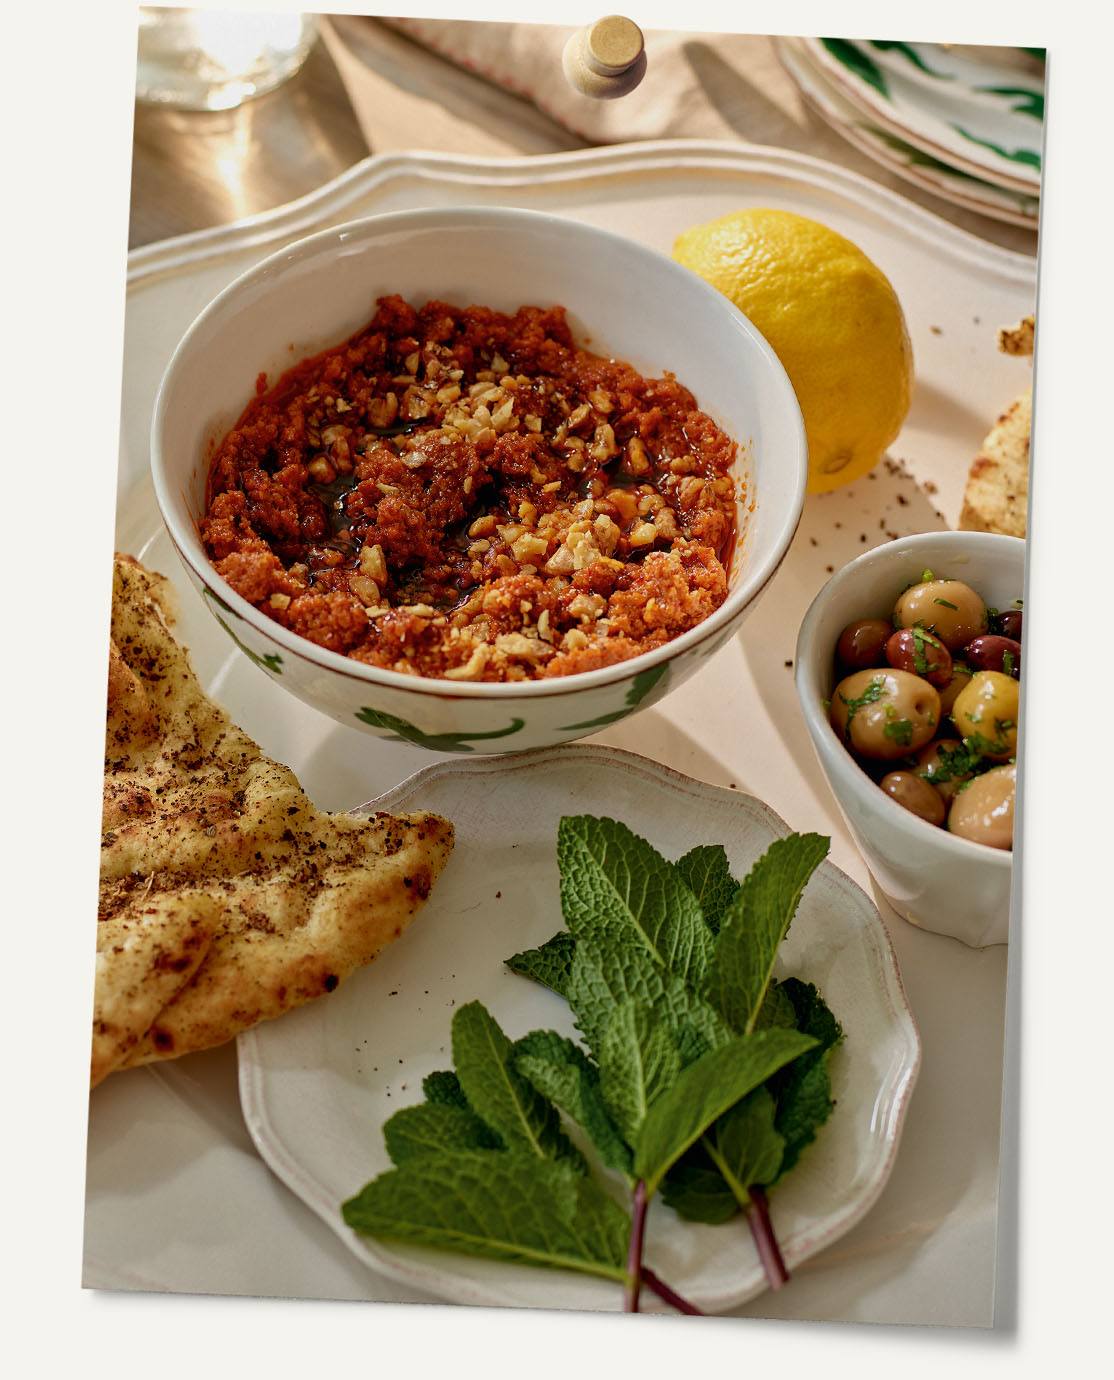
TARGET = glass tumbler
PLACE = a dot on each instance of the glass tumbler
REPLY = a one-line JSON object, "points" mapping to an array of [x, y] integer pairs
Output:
{"points": [[215, 60]]}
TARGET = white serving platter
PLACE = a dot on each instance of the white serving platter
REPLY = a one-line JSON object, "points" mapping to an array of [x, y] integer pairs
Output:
{"points": [[176, 1196], [316, 1087]]}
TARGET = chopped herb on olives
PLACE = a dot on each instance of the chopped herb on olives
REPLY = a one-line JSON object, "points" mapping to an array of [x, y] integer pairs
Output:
{"points": [[871, 695]]}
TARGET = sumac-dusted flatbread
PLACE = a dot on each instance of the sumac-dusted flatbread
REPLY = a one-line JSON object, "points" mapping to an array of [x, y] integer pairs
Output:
{"points": [[145, 956], [226, 897]]}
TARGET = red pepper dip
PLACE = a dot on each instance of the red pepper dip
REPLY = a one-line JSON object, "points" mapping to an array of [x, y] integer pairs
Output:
{"points": [[465, 494]]}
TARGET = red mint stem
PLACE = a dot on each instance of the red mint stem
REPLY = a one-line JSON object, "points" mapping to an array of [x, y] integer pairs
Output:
{"points": [[670, 1296], [634, 1250], [769, 1252]]}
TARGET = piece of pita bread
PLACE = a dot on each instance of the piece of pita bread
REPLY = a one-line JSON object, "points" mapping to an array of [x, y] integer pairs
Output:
{"points": [[209, 845], [997, 495]]}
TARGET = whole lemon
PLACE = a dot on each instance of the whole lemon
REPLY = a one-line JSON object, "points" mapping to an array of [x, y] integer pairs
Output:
{"points": [[832, 318]]}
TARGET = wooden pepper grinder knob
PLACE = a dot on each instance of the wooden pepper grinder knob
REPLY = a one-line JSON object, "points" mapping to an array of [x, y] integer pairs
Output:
{"points": [[606, 59]]}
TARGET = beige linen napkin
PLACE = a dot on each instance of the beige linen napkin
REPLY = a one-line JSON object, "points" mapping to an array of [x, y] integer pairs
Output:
{"points": [[700, 86], [696, 85]]}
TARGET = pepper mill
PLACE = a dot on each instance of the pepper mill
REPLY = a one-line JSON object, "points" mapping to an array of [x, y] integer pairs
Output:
{"points": [[606, 59]]}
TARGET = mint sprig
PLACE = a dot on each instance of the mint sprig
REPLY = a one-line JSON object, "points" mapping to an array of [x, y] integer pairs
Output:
{"points": [[699, 1076], [713, 1179]]}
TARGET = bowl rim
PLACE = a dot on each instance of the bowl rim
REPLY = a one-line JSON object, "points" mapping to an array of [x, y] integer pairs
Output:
{"points": [[309, 246], [833, 754]]}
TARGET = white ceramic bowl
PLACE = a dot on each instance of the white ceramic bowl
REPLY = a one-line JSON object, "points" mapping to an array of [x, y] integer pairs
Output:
{"points": [[929, 876], [623, 299]]}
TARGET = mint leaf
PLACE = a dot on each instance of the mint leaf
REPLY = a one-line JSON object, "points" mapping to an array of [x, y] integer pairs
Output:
{"points": [[604, 974], [704, 1091], [713, 1180], [638, 1061], [776, 1009], [509, 1206], [803, 1089], [707, 874], [429, 1129], [550, 964], [498, 1093], [562, 1072], [443, 1089], [754, 926], [614, 883], [696, 1190], [745, 1146]]}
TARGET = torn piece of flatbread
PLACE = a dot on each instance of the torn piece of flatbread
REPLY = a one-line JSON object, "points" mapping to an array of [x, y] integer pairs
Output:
{"points": [[145, 956], [195, 813], [997, 494], [1019, 339], [996, 498]]}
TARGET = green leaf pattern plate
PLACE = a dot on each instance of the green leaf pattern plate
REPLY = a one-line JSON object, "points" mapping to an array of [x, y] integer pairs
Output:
{"points": [[981, 115], [914, 164]]}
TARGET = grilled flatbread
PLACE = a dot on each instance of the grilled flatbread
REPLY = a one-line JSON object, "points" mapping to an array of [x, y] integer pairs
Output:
{"points": [[226, 897], [145, 956], [997, 495]]}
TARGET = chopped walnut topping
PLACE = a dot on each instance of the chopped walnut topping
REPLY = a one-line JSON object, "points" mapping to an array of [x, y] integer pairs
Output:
{"points": [[382, 412]]}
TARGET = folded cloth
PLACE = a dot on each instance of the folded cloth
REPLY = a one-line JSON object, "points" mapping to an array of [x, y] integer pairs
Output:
{"points": [[696, 85]]}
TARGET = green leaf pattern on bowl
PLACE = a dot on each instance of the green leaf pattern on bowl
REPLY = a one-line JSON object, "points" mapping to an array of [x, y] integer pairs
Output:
{"points": [[640, 687], [400, 731], [269, 661]]}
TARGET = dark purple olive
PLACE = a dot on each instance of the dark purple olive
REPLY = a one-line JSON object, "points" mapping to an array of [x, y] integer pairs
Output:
{"points": [[862, 643], [1009, 624], [993, 653], [914, 649]]}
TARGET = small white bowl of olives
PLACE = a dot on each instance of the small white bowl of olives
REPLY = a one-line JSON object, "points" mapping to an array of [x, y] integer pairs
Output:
{"points": [[908, 670]]}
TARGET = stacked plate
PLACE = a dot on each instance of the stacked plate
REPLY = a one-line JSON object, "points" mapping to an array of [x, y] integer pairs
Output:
{"points": [[963, 123]]}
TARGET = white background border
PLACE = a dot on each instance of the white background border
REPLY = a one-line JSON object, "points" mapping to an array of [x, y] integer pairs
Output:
{"points": [[67, 116]]}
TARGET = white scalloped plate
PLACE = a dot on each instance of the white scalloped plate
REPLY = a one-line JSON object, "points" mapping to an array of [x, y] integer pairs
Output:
{"points": [[317, 1086]]}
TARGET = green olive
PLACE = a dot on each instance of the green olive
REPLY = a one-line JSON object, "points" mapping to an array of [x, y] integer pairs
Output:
{"points": [[885, 714], [985, 713], [983, 809], [942, 764], [915, 794], [948, 608], [961, 678]]}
